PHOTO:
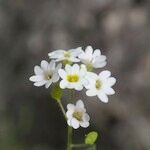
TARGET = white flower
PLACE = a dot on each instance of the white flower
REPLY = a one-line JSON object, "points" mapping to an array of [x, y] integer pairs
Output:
{"points": [[100, 85], [73, 77], [66, 56], [77, 116], [92, 59], [46, 74]]}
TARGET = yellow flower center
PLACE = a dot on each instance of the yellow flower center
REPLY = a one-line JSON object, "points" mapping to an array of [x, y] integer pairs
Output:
{"points": [[98, 84], [67, 54], [77, 115], [73, 78]]}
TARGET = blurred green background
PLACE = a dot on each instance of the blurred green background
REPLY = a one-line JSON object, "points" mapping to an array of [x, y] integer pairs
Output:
{"points": [[29, 29]]}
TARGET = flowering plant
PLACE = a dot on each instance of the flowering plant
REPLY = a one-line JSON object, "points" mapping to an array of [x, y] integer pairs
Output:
{"points": [[74, 70]]}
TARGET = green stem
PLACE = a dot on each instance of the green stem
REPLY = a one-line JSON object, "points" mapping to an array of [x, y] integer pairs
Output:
{"points": [[69, 138], [69, 147], [62, 108], [78, 145], [69, 144]]}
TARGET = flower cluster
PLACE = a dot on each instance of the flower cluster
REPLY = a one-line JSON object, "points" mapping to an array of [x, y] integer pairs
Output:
{"points": [[74, 69]]}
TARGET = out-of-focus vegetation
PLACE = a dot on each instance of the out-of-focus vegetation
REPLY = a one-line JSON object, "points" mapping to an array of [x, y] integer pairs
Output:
{"points": [[29, 29]]}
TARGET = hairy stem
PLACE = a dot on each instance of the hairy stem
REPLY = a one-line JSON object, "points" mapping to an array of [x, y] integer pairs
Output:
{"points": [[62, 108], [69, 144], [69, 138]]}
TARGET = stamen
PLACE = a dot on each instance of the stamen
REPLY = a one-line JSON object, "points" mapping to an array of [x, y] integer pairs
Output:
{"points": [[73, 78], [48, 76], [77, 115], [98, 84]]}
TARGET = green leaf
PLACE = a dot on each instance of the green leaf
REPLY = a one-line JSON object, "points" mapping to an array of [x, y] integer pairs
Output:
{"points": [[56, 92], [91, 138]]}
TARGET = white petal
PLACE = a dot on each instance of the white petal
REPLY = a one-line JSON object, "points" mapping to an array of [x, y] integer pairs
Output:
{"points": [[41, 83], [56, 54], [103, 97], [111, 81], [99, 64], [99, 59], [73, 59], [80, 104], [62, 73], [87, 56], [78, 87], [91, 92], [55, 77], [68, 69], [91, 75], [69, 114], [85, 82], [105, 74], [51, 65], [75, 123], [63, 84], [83, 71], [86, 117], [109, 91], [70, 85], [75, 52], [38, 70], [81, 55], [59, 66], [44, 65], [90, 85], [89, 50], [84, 124], [86, 59], [102, 58], [97, 52], [36, 78], [60, 59], [70, 107], [48, 84], [75, 68]]}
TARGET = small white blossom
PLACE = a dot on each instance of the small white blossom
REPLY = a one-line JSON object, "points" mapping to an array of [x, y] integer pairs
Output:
{"points": [[46, 74], [100, 85], [73, 77], [77, 116], [92, 59], [66, 56]]}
